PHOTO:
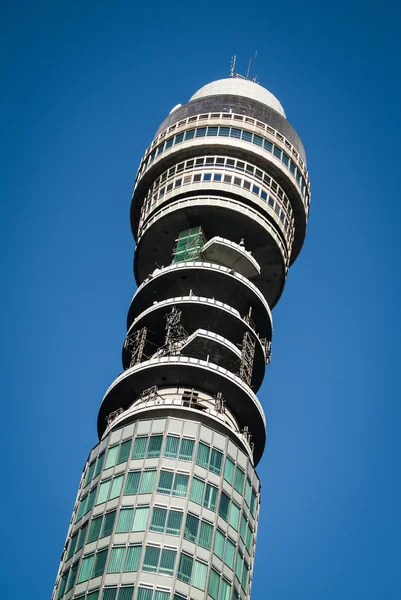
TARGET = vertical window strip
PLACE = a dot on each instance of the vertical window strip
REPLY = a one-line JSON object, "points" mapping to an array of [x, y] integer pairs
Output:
{"points": [[103, 491], [147, 481], [132, 483], [81, 508], [140, 519], [171, 448], [132, 558], [234, 515], [144, 593], [100, 562], [111, 457], [214, 583], [86, 568], [72, 544], [123, 452], [72, 577], [180, 486], [99, 464], [151, 559], [82, 536], [229, 554], [160, 595], [116, 486], [159, 516], [174, 520], [126, 592], [210, 497], [202, 456], [91, 500], [205, 535], [229, 470], [94, 530], [89, 472], [108, 522], [185, 568], [199, 575], [124, 520], [115, 563], [225, 590], [165, 482], [191, 528], [218, 546], [197, 490], [239, 479], [109, 593], [167, 561], [92, 595], [186, 449], [139, 448], [224, 506], [155, 444], [215, 461]]}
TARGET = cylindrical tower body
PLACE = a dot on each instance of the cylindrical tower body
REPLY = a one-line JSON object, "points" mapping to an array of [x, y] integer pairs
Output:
{"points": [[168, 502]]}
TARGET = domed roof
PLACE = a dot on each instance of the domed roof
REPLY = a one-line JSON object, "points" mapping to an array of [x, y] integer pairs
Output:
{"points": [[240, 87]]}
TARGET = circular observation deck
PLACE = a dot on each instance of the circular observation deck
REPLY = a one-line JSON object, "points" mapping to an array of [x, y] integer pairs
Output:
{"points": [[192, 373]]}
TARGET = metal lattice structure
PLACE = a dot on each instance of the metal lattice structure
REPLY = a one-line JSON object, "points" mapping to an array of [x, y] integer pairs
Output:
{"points": [[135, 344], [247, 357]]}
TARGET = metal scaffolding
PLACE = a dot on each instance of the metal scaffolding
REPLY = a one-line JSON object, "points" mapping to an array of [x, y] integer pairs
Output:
{"points": [[175, 332], [135, 343], [189, 245], [247, 356]]}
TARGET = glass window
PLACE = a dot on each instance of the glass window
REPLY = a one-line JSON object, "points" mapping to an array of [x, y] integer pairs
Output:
{"points": [[100, 562], [247, 136], [108, 523], [109, 593], [255, 189], [126, 592], [234, 516], [144, 594], [89, 473], [249, 539], [185, 568], [138, 451], [292, 167], [178, 138], [167, 561], [229, 554], [93, 595], [147, 481], [239, 479], [235, 133], [116, 559], [82, 536], [227, 178], [165, 482], [191, 528], [229, 470], [158, 522], [94, 530], [244, 578], [224, 506], [169, 143], [214, 582], [215, 461], [217, 177], [103, 491], [180, 487], [277, 152], [238, 566], [263, 195], [186, 449], [267, 145], [116, 487], [224, 131], [218, 547], [202, 456], [132, 483], [205, 535], [132, 558], [247, 184], [174, 522], [197, 490], [189, 134], [124, 520], [72, 544], [171, 448], [248, 491], [207, 177], [286, 159], [200, 132], [155, 444], [123, 453], [212, 131], [111, 457], [86, 568], [257, 139], [62, 584], [91, 500], [210, 497], [151, 559], [199, 575], [225, 590], [253, 504], [99, 464], [243, 527], [81, 507], [197, 177], [140, 519]]}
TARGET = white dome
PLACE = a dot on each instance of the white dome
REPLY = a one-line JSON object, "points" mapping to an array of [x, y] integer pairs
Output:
{"points": [[240, 87]]}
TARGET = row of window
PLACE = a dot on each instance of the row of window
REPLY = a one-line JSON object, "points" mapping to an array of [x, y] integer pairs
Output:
{"points": [[126, 592], [236, 133]]}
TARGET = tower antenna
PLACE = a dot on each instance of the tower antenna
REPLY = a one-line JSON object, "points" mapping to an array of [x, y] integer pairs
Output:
{"points": [[232, 68], [249, 64]]}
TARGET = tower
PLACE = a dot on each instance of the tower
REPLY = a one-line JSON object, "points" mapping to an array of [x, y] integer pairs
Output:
{"points": [[168, 503]]}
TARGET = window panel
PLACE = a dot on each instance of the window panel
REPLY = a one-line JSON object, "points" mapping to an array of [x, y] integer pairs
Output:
{"points": [[185, 568], [132, 558], [239, 479], [229, 554], [100, 562], [132, 483], [212, 131], [214, 582], [229, 470], [123, 453], [89, 473], [191, 528], [234, 515], [147, 481], [94, 530], [81, 508], [160, 595], [224, 506], [210, 497], [138, 451], [144, 594], [167, 561], [218, 546], [91, 500], [247, 136], [155, 444], [248, 491], [93, 595], [140, 519], [126, 592], [174, 520], [205, 535], [165, 482], [159, 516], [109, 593], [151, 559], [253, 504], [243, 528], [199, 575], [86, 568], [238, 566], [180, 487], [186, 449], [267, 145], [108, 523], [72, 544], [99, 464], [116, 559], [225, 590], [244, 578], [72, 577], [215, 461], [62, 585], [103, 491], [111, 457], [116, 486], [202, 456], [171, 448], [235, 133], [257, 139], [249, 539], [189, 134], [200, 132], [197, 490], [124, 520], [82, 536]]}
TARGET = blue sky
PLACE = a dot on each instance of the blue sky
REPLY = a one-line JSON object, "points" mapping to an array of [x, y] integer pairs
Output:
{"points": [[84, 87]]}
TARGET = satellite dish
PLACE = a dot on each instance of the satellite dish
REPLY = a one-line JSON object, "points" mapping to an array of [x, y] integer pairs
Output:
{"points": [[175, 108]]}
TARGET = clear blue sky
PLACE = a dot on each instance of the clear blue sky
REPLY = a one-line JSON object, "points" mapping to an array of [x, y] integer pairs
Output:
{"points": [[84, 87]]}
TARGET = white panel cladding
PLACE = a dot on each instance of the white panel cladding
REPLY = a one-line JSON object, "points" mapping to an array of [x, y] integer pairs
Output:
{"points": [[190, 428], [158, 425]]}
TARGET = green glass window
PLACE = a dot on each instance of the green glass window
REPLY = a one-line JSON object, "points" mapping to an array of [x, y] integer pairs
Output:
{"points": [[235, 133], [213, 587], [185, 568], [180, 486], [239, 479], [147, 481], [108, 523], [218, 546], [249, 539], [144, 594], [86, 568], [165, 482], [159, 595], [267, 145], [244, 578], [94, 530], [123, 452], [199, 575], [155, 444], [224, 506], [111, 457], [253, 504], [62, 584], [132, 484], [202, 456], [205, 535], [229, 554], [191, 528], [242, 530], [100, 562], [159, 516], [247, 136], [103, 491], [210, 497], [238, 566], [140, 519], [82, 536], [116, 559], [72, 544], [167, 561], [132, 558], [200, 132], [174, 520], [225, 590], [234, 515], [124, 520], [171, 448], [197, 490], [215, 461], [186, 449], [99, 464], [116, 486], [151, 559], [81, 508], [229, 470], [109, 593], [139, 449], [89, 472], [248, 491], [126, 592], [91, 500], [72, 575]]}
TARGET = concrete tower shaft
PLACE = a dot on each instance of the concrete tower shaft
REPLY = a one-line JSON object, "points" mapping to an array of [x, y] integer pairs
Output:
{"points": [[168, 502]]}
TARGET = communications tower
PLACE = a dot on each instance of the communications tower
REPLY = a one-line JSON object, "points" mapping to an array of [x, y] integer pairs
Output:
{"points": [[168, 503]]}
